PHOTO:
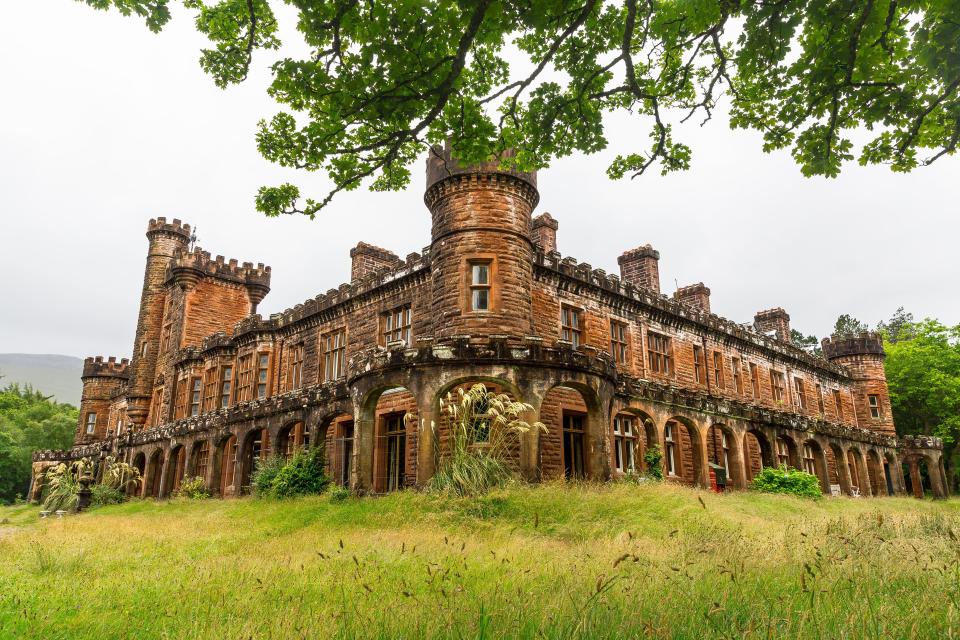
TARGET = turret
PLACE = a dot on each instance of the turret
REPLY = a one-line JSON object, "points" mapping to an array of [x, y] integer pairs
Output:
{"points": [[862, 355], [481, 251], [166, 239], [101, 380]]}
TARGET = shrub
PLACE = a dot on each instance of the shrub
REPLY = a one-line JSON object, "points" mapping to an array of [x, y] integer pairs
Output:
{"points": [[264, 473], [485, 427], [339, 494], [787, 480], [63, 484], [653, 457], [103, 494], [303, 474], [119, 475], [192, 488]]}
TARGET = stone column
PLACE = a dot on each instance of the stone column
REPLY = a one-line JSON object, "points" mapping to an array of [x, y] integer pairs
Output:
{"points": [[361, 479], [426, 441], [915, 478]]}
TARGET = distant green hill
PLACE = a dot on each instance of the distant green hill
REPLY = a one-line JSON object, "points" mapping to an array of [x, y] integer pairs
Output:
{"points": [[54, 375]]}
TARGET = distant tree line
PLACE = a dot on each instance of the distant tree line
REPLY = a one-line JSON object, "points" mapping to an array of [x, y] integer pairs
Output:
{"points": [[923, 373], [29, 421]]}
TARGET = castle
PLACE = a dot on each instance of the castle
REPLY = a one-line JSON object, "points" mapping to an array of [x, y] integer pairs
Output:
{"points": [[610, 365]]}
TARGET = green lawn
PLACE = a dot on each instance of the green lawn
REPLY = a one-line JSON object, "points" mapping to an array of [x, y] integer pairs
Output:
{"points": [[615, 561]]}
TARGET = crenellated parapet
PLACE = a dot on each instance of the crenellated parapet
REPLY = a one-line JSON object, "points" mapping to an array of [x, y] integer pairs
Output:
{"points": [[657, 306], [442, 165], [864, 344], [188, 267], [97, 367], [175, 229]]}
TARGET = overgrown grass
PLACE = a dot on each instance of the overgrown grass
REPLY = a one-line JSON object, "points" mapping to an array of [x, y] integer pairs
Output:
{"points": [[556, 561]]}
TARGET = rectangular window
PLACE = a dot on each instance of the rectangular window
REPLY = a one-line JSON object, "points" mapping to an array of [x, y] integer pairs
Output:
{"points": [[155, 407], [838, 404], [737, 376], [573, 438], [755, 380], [570, 329], [396, 325], [777, 385], [180, 410], [659, 356], [618, 342], [624, 443], [202, 460], [809, 462], [699, 366], [210, 389], [195, 391], [334, 354], [874, 406], [718, 369], [396, 452], [245, 378], [783, 453], [226, 383], [91, 423], [799, 394], [480, 286], [295, 372], [670, 448], [165, 337], [820, 399], [263, 371]]}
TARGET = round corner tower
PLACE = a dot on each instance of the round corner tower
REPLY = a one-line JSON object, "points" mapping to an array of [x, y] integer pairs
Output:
{"points": [[481, 251], [166, 240], [101, 380], [862, 356]]}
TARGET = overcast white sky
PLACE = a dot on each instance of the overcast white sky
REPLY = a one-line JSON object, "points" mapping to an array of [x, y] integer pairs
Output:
{"points": [[104, 125]]}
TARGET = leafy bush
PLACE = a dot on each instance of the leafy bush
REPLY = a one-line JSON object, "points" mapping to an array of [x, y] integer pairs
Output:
{"points": [[264, 473], [787, 480], [485, 427], [303, 474], [192, 488], [103, 494], [339, 494], [653, 457]]}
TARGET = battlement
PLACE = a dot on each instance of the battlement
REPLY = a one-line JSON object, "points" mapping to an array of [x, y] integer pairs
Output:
{"points": [[441, 165], [176, 228], [99, 368], [867, 343], [189, 266], [218, 340]]}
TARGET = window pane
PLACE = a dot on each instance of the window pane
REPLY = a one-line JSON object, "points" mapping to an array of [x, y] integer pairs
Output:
{"points": [[481, 274], [481, 300]]}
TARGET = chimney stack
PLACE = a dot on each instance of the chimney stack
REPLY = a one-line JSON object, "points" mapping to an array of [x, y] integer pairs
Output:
{"points": [[640, 267], [696, 296], [773, 321], [367, 258], [544, 232]]}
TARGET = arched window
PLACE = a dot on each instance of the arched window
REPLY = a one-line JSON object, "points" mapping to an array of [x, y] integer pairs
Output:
{"points": [[670, 452]]}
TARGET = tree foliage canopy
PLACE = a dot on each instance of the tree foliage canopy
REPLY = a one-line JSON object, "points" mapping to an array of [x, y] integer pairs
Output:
{"points": [[386, 80], [29, 421]]}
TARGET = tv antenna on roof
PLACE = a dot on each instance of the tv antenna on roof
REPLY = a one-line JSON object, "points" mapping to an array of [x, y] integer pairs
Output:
{"points": [[193, 238]]}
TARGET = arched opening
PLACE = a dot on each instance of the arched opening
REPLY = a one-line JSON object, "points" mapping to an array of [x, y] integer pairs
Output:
{"points": [[682, 454], [889, 470], [225, 466], [175, 470], [292, 437], [338, 431], [814, 462], [200, 460], [723, 458], [151, 484], [574, 446], [256, 448], [385, 440], [140, 464], [874, 472], [757, 453], [859, 483], [836, 470], [645, 432]]}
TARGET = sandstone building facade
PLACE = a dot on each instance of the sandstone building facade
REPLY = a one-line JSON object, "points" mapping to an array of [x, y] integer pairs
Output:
{"points": [[610, 365]]}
